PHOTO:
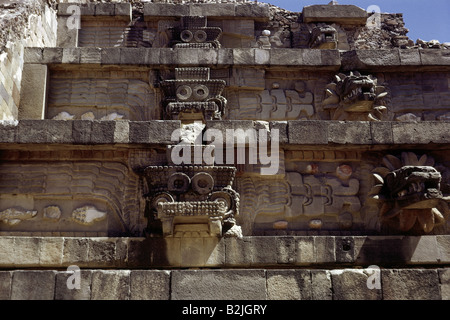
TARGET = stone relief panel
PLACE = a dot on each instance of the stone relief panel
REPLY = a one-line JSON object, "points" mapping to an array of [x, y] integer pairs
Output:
{"points": [[102, 95], [314, 191], [46, 194]]}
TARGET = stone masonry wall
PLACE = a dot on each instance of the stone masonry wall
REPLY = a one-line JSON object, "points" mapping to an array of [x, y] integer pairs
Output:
{"points": [[257, 284], [26, 23]]}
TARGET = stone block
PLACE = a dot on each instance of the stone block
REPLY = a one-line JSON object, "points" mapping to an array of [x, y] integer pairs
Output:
{"points": [[435, 57], [140, 252], [51, 251], [32, 55], [225, 56], [282, 127], [104, 9], [67, 32], [102, 132], [264, 250], [289, 285], [33, 91], [90, 55], [168, 56], [424, 249], [238, 252], [410, 57], [7, 256], [33, 285], [250, 10], [218, 284], [5, 285], [44, 131], [286, 57], [102, 252], [312, 57], [378, 58], [351, 284], [285, 250], [26, 252], [66, 283], [81, 131], [110, 285], [75, 252], [165, 10], [262, 56], [308, 132], [321, 288], [149, 285], [212, 9], [123, 9], [381, 132], [8, 131], [345, 249], [133, 55], [214, 252], [325, 249], [52, 55], [355, 132], [443, 247], [304, 250], [410, 284], [153, 131], [71, 55], [444, 280], [421, 132], [331, 58], [122, 131], [110, 55], [243, 56], [344, 14]]}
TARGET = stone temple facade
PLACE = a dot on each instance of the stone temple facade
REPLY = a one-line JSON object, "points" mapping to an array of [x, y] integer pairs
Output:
{"points": [[221, 150]]}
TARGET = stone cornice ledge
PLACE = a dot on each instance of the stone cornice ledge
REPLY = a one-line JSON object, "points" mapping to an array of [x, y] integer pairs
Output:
{"points": [[308, 133], [248, 252]]}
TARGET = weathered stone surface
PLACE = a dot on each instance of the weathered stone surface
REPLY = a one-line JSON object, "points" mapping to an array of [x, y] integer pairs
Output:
{"points": [[346, 14], [34, 90], [321, 287], [66, 285], [421, 132], [33, 285], [289, 285], [149, 285], [51, 251], [5, 284], [349, 132], [351, 284], [219, 285], [75, 252], [444, 280], [308, 132], [410, 284], [110, 285]]}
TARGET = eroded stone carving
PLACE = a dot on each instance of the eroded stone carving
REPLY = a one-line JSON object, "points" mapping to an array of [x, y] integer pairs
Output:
{"points": [[323, 36], [192, 201], [52, 213], [192, 95], [408, 190], [194, 33], [355, 97], [13, 216], [88, 215]]}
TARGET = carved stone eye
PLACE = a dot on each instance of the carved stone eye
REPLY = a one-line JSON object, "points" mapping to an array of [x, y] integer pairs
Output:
{"points": [[178, 182], [200, 36], [184, 92], [186, 35], [202, 183], [222, 197], [200, 92], [162, 197]]}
